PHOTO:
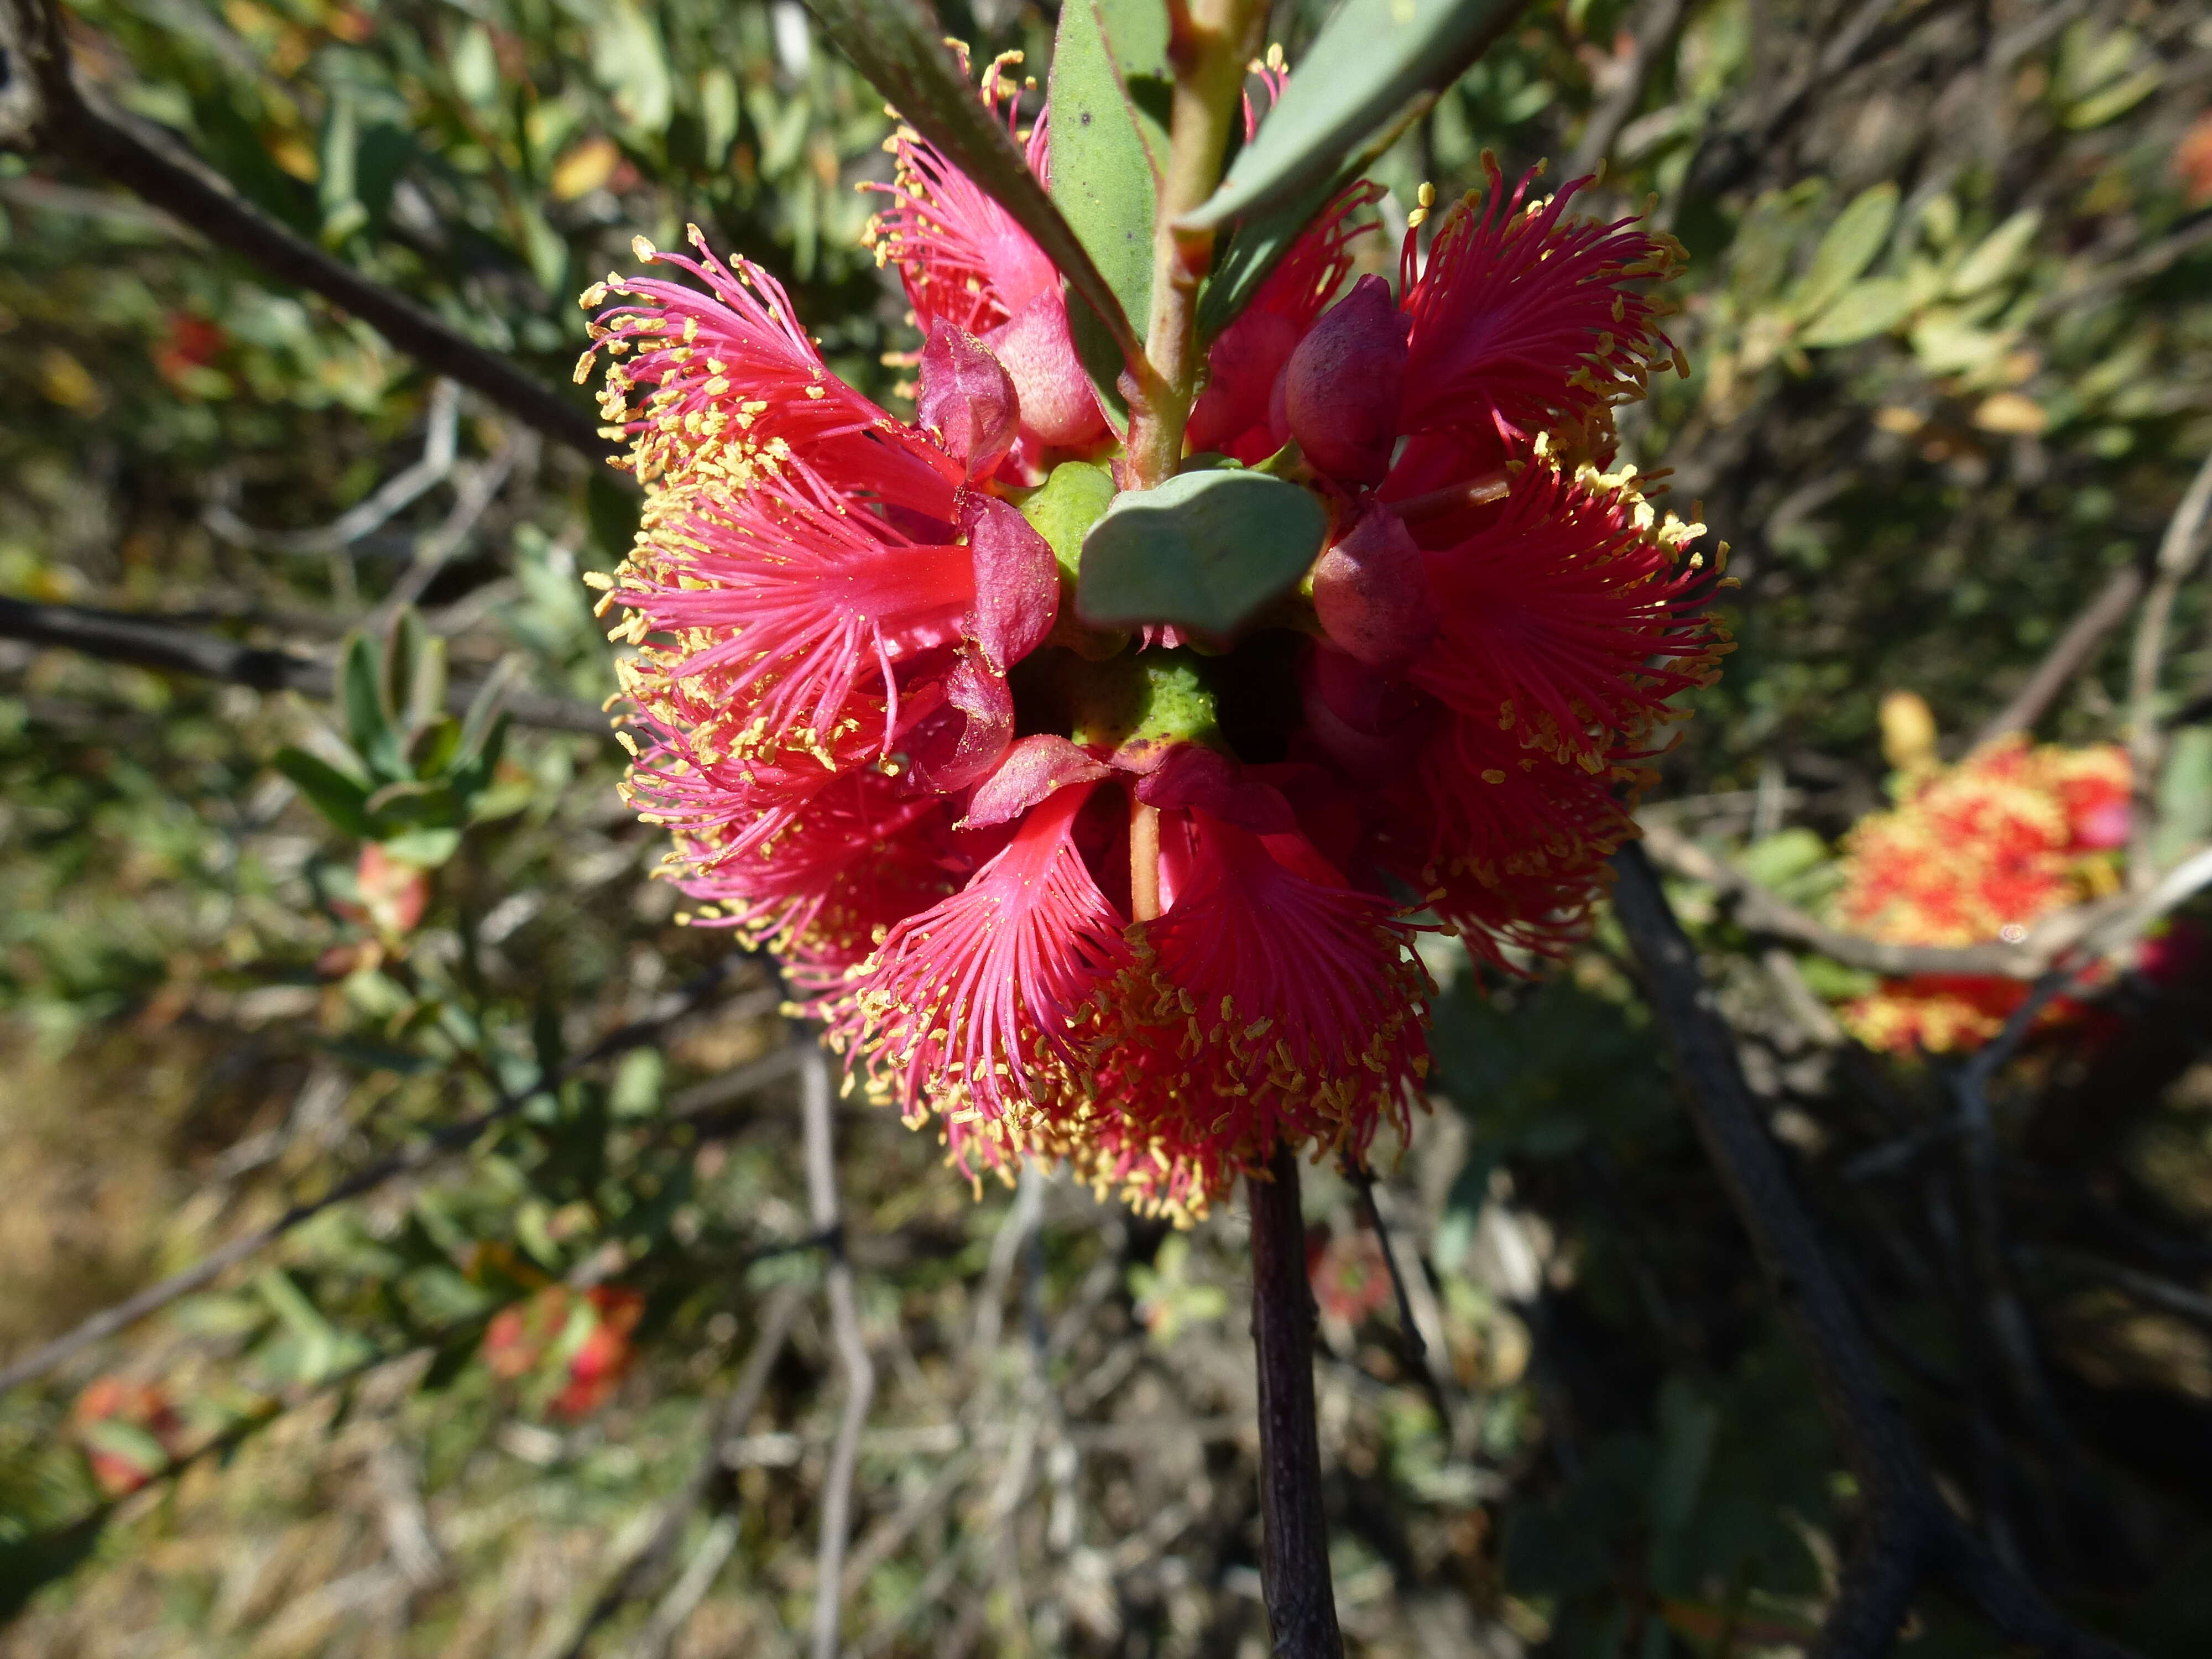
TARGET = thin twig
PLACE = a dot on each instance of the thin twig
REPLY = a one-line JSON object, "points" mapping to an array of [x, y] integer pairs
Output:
{"points": [[1294, 1531], [859, 1372], [637, 1575], [685, 1595], [2066, 657], [453, 1138], [1764, 912], [375, 510], [48, 105], [153, 642], [1657, 27], [2178, 553]]}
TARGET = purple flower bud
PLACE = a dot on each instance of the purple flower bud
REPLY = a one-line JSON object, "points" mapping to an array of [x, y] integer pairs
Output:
{"points": [[1341, 389], [1372, 595], [1016, 580], [967, 399]]}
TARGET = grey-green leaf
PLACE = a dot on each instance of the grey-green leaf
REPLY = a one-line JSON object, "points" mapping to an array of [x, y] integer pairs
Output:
{"points": [[1368, 60], [899, 45], [1848, 248], [1865, 309], [1206, 550], [1111, 84]]}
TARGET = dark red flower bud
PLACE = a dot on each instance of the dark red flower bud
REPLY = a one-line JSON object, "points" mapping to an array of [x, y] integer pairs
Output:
{"points": [[1016, 580], [1372, 595], [1341, 390], [967, 399]]}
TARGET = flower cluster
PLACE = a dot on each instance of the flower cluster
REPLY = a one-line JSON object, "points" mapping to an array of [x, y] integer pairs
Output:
{"points": [[1140, 901], [1971, 854]]}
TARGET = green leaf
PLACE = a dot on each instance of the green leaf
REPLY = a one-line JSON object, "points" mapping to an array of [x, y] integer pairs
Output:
{"points": [[628, 61], [342, 799], [1847, 250], [1110, 81], [1996, 255], [1866, 309], [1368, 60], [1205, 551], [898, 45], [415, 671], [367, 715], [1074, 498]]}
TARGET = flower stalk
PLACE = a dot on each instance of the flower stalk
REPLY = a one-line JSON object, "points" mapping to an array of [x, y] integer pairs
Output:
{"points": [[1209, 43], [1294, 1573]]}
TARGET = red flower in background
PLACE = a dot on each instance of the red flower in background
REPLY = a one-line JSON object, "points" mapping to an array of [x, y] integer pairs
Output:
{"points": [[1971, 854], [578, 1345], [1153, 912], [129, 1432]]}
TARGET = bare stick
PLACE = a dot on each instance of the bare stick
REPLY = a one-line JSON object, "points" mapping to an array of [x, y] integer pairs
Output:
{"points": [[41, 1360], [1294, 1538], [637, 1575], [1657, 27], [1764, 912], [852, 1359], [2066, 657], [2178, 553], [48, 106], [152, 643]]}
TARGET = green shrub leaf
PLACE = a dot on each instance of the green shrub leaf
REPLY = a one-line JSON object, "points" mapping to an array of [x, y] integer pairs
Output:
{"points": [[1204, 551]]}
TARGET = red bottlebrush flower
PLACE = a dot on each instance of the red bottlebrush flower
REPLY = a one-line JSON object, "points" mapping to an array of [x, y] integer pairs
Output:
{"points": [[965, 262], [1018, 869], [1971, 855], [803, 600], [975, 1009], [1568, 618], [1342, 387], [1524, 321], [1268, 999], [729, 382]]}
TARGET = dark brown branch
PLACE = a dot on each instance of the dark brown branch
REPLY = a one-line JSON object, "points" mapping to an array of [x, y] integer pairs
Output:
{"points": [[1294, 1553], [2068, 654], [151, 643], [42, 103], [1908, 1535]]}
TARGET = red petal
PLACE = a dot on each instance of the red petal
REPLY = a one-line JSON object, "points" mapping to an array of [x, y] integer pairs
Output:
{"points": [[1193, 775], [967, 399], [962, 741], [1031, 770], [1016, 580]]}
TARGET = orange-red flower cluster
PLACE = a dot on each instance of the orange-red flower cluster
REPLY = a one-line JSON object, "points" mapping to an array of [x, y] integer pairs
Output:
{"points": [[1973, 854]]}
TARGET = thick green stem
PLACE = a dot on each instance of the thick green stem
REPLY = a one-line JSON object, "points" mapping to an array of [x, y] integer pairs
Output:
{"points": [[1212, 43]]}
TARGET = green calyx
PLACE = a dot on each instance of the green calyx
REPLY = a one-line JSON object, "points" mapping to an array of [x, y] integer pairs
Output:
{"points": [[1152, 700], [1062, 509]]}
